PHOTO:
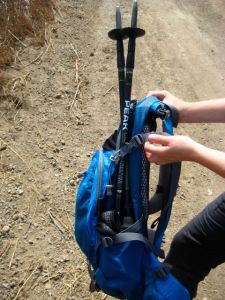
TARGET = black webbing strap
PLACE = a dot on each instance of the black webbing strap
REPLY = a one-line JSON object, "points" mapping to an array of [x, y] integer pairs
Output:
{"points": [[136, 142], [123, 237], [174, 114], [131, 234]]}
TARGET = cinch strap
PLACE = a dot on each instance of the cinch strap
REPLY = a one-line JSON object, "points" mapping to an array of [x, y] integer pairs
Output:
{"points": [[137, 141], [127, 236]]}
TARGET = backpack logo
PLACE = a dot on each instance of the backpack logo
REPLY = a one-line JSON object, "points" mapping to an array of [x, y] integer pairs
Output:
{"points": [[126, 113]]}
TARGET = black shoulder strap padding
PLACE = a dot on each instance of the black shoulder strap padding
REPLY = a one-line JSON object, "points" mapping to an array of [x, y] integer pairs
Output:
{"points": [[166, 188], [156, 201], [167, 198], [175, 169], [175, 115]]}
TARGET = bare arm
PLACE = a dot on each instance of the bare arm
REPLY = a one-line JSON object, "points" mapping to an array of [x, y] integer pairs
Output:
{"points": [[166, 149], [208, 111]]}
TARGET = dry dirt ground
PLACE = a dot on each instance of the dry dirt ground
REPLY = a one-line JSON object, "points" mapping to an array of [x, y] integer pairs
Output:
{"points": [[61, 112]]}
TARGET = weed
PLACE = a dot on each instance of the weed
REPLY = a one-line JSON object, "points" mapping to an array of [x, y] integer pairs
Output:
{"points": [[20, 20]]}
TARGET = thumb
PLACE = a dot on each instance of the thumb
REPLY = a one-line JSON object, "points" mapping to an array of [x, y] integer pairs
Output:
{"points": [[159, 139], [159, 94]]}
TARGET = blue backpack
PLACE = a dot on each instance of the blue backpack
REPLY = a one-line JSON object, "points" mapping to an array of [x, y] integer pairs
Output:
{"points": [[112, 232]]}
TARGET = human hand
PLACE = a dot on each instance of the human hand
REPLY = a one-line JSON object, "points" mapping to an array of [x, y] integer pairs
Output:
{"points": [[170, 99], [163, 149]]}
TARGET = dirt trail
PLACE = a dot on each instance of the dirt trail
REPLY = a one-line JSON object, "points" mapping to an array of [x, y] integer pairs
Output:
{"points": [[66, 115]]}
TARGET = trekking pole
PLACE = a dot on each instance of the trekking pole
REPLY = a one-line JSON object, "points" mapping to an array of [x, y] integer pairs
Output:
{"points": [[128, 215], [116, 34], [120, 61], [132, 32], [125, 85], [123, 203], [131, 53]]}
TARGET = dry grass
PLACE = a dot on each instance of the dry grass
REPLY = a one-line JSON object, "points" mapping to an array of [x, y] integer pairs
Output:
{"points": [[3, 78], [22, 23]]}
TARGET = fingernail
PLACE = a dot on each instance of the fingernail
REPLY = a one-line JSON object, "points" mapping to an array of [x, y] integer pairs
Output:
{"points": [[151, 136]]}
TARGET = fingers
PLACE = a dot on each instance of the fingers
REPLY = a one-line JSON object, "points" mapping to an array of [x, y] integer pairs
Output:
{"points": [[159, 139], [153, 152], [159, 94], [152, 157], [151, 149], [156, 148]]}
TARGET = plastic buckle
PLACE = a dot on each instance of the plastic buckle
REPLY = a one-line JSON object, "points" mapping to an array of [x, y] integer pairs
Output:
{"points": [[163, 112], [109, 188], [116, 156], [107, 241]]}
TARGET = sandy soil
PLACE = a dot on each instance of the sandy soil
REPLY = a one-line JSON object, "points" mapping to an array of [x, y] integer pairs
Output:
{"points": [[62, 112]]}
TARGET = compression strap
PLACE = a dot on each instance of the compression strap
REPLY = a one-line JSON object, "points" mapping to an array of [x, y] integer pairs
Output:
{"points": [[136, 142]]}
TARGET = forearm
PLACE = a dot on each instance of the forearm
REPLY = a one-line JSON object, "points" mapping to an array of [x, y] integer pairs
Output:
{"points": [[212, 159], [208, 111]]}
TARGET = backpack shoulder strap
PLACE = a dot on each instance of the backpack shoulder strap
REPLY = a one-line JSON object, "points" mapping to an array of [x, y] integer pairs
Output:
{"points": [[152, 108]]}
